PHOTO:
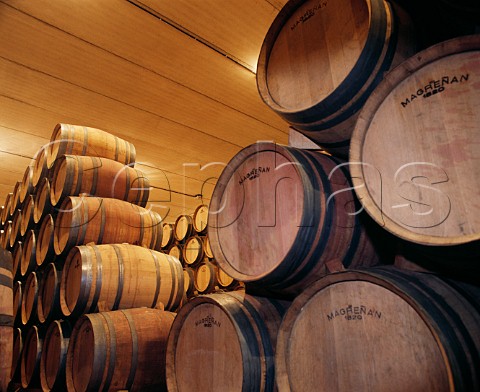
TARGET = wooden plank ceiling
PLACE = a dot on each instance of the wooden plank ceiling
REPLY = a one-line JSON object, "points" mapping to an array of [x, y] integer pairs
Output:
{"points": [[175, 78]]}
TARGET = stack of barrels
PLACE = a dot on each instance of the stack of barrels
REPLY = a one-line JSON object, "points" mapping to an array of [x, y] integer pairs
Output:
{"points": [[359, 257], [187, 240], [91, 284]]}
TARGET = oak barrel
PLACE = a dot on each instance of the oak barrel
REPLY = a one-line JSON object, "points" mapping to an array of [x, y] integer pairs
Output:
{"points": [[15, 232], [15, 200], [28, 208], [168, 237], [6, 209], [426, 110], [183, 227], [48, 301], [6, 317], [81, 140], [98, 341], [82, 220], [188, 281], [176, 250], [76, 174], [16, 356], [193, 250], [205, 278], [368, 330], [54, 355], [30, 299], [278, 215], [27, 186], [40, 169], [29, 253], [17, 303], [119, 276], [43, 203], [17, 254], [30, 360], [224, 342], [45, 252], [319, 62], [200, 219]]}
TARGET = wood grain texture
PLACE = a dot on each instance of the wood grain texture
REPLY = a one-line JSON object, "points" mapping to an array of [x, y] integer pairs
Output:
{"points": [[427, 112], [370, 330]]}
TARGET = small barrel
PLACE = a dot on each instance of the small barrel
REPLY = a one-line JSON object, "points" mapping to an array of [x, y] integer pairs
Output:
{"points": [[30, 299], [188, 280], [207, 250], [427, 191], [176, 250], [76, 174], [119, 276], [137, 336], [317, 74], [48, 302], [40, 169], [224, 280], [15, 201], [205, 277], [279, 215], [43, 204], [421, 330], [15, 233], [168, 237], [30, 360], [193, 250], [81, 140], [45, 252], [6, 317], [183, 227], [224, 342], [54, 356], [28, 208], [200, 219], [6, 209], [82, 220], [29, 254], [27, 185]]}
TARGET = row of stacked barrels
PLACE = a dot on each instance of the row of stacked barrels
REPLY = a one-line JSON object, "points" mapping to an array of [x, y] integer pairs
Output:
{"points": [[187, 240], [87, 273], [359, 258]]}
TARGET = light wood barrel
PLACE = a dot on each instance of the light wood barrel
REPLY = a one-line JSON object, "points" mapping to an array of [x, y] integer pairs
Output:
{"points": [[6, 209], [427, 191], [6, 317], [48, 302], [54, 356], [183, 227], [82, 220], [193, 250], [29, 254], [30, 360], [28, 208], [40, 169], [279, 215], [27, 185], [138, 336], [30, 299], [15, 201], [224, 342], [224, 280], [15, 232], [205, 277], [81, 140], [45, 252], [320, 61], [188, 280], [200, 219], [168, 237], [119, 276], [411, 329], [176, 250], [7, 230], [43, 203], [76, 174], [206, 247]]}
